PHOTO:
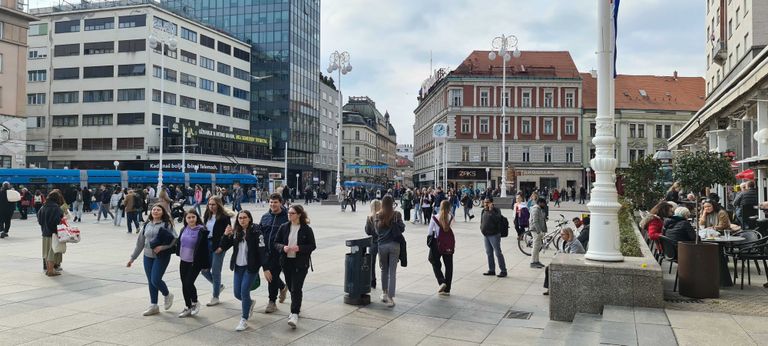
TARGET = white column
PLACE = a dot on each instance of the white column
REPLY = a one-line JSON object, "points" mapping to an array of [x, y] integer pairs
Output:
{"points": [[604, 242]]}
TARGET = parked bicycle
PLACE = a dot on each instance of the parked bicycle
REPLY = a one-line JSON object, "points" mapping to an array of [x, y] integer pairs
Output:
{"points": [[525, 243]]}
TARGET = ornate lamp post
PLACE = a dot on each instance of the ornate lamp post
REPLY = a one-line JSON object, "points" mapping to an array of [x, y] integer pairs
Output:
{"points": [[501, 46], [339, 62], [155, 41]]}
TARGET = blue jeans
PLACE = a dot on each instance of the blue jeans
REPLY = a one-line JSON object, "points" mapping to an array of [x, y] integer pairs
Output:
{"points": [[389, 255], [214, 274], [242, 288], [133, 217], [155, 269], [493, 246]]}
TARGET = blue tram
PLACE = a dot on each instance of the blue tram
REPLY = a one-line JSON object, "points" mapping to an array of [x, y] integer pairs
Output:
{"points": [[48, 178]]}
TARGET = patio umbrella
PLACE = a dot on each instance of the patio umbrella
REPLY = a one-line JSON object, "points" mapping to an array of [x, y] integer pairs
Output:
{"points": [[746, 174]]}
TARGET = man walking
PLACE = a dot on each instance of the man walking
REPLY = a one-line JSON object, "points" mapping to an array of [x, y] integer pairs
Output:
{"points": [[131, 203], [582, 194], [6, 210], [270, 223], [105, 197], [490, 227], [538, 227]]}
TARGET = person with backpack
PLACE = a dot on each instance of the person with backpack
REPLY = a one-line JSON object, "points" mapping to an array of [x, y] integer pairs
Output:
{"points": [[491, 224], [426, 205], [116, 203], [294, 243], [442, 244], [38, 200], [522, 216], [538, 228]]}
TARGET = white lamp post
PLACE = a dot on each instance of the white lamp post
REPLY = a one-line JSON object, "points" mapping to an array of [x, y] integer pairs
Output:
{"points": [[589, 182], [297, 184], [116, 163], [154, 42], [503, 44], [487, 177], [339, 62]]}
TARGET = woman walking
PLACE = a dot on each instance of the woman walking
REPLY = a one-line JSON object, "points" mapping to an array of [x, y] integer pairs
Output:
{"points": [[370, 230], [295, 242], [466, 201], [156, 240], [77, 205], [48, 217], [417, 214], [194, 256], [522, 214], [389, 227], [442, 244], [426, 205], [198, 198], [217, 219], [248, 255], [114, 203]]}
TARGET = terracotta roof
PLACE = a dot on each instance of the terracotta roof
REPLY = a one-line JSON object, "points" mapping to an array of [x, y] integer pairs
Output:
{"points": [[661, 92], [530, 63]]}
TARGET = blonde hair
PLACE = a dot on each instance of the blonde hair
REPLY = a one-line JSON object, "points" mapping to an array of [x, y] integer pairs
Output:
{"points": [[682, 212], [569, 231], [375, 207], [444, 216]]}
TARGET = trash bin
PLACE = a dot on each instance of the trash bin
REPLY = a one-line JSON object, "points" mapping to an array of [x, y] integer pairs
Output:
{"points": [[357, 272]]}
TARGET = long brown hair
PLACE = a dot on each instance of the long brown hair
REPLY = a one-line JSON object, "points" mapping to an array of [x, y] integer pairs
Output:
{"points": [[219, 208], [444, 216], [166, 217], [301, 213], [56, 196], [198, 218], [240, 232], [387, 212]]}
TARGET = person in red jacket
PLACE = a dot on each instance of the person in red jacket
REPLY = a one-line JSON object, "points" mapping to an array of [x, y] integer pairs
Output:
{"points": [[654, 223]]}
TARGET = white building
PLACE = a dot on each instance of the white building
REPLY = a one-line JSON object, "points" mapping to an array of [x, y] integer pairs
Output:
{"points": [[326, 160], [405, 150], [96, 86]]}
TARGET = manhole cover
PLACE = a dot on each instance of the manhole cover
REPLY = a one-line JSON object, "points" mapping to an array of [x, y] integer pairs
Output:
{"points": [[518, 315]]}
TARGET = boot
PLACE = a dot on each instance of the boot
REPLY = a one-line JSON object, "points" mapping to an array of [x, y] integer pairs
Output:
{"points": [[50, 270]]}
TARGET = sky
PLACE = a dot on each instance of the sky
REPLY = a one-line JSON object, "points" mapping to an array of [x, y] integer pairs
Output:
{"points": [[390, 41]]}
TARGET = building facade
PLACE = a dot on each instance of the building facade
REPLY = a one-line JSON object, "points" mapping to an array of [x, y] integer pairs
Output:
{"points": [[405, 150], [14, 23], [326, 160], [542, 126], [285, 48], [97, 89], [368, 143]]}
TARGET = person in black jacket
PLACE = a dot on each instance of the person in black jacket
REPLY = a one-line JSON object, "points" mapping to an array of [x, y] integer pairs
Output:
{"points": [[295, 242], [48, 217], [6, 210], [248, 255], [270, 224], [194, 256], [217, 219], [678, 227]]}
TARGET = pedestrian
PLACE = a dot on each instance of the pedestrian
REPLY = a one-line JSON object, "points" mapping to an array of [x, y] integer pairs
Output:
{"points": [[6, 209], [522, 215], [269, 224], [24, 203], [105, 196], [582, 194], [198, 198], [442, 244], [87, 200], [342, 197], [490, 227], [115, 205], [216, 218], [556, 197], [38, 200], [407, 203], [466, 201], [538, 228], [157, 240], [370, 230], [164, 200], [48, 217], [77, 205], [264, 197], [389, 227], [426, 206], [295, 242], [352, 199], [194, 255], [131, 203], [248, 255], [417, 213]]}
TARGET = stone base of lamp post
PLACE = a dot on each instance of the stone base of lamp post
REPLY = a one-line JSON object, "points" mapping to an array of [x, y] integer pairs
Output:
{"points": [[503, 202]]}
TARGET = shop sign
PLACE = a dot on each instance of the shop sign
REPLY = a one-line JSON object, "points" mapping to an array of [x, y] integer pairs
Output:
{"points": [[467, 174]]}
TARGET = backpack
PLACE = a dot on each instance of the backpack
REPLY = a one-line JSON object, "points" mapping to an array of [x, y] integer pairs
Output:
{"points": [[446, 241], [504, 226]]}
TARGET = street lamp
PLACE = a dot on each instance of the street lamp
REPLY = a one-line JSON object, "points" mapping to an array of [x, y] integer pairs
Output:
{"points": [[297, 184], [589, 182], [339, 62], [154, 42], [487, 177], [503, 44], [116, 163]]}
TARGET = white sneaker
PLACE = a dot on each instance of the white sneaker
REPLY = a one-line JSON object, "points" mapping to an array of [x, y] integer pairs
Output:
{"points": [[185, 313], [243, 325], [152, 310], [390, 302], [214, 301], [195, 308], [442, 288], [293, 320], [383, 297], [168, 301]]}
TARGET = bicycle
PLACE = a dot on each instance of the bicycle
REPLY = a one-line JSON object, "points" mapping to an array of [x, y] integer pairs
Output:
{"points": [[526, 242]]}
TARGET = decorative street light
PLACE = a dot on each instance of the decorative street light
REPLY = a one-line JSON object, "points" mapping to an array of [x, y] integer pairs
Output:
{"points": [[156, 40], [487, 177], [297, 184], [589, 182], [339, 62], [116, 163], [503, 44]]}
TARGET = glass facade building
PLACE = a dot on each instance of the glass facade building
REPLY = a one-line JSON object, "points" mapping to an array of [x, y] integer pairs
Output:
{"points": [[285, 39]]}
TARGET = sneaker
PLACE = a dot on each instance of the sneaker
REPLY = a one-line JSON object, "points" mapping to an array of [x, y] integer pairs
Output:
{"points": [[442, 288], [168, 301], [58, 270], [293, 319], [445, 293], [195, 308], [502, 275], [471, 217], [546, 293], [3, 235], [383, 297], [185, 313], [152, 310], [283, 293], [214, 301], [243, 325], [489, 273], [221, 288], [390, 302], [271, 307], [250, 314], [537, 265]]}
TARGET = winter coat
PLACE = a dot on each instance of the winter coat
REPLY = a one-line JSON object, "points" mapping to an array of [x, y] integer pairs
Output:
{"points": [[679, 229], [257, 253], [305, 240]]}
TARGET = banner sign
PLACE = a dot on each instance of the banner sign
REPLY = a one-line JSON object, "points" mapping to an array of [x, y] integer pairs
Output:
{"points": [[367, 166], [212, 133]]}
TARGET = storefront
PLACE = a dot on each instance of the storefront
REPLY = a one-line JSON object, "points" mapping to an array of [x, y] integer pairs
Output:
{"points": [[529, 179], [473, 178]]}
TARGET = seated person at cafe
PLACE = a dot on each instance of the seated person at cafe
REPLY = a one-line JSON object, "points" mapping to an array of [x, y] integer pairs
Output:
{"points": [[746, 202], [678, 227], [654, 222], [584, 232], [570, 245], [712, 216]]}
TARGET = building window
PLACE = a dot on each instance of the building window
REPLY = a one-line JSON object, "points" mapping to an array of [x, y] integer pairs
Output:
{"points": [[547, 154], [188, 57], [93, 48], [98, 95], [67, 26], [37, 53], [465, 124], [357, 151], [240, 93], [205, 106], [157, 71], [632, 131], [667, 131], [506, 125], [465, 154], [64, 121], [526, 98], [484, 98], [207, 41], [526, 126], [223, 110], [97, 144], [188, 35], [223, 89], [66, 97], [570, 126], [549, 98], [99, 24], [224, 48], [128, 46], [485, 125], [207, 63], [224, 68], [59, 144], [131, 70], [663, 131], [188, 79], [242, 74], [526, 154], [548, 126], [457, 97], [483, 154], [130, 119], [636, 154], [187, 102], [569, 154], [171, 53], [170, 75], [36, 99], [242, 55], [132, 21], [130, 94], [507, 101], [99, 71], [135, 143], [37, 76], [169, 98], [97, 119], [570, 98], [592, 129], [38, 29], [243, 114], [66, 50], [357, 135], [35, 122]]}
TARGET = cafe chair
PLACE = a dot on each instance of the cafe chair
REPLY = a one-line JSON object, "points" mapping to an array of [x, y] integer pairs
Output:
{"points": [[669, 248], [751, 238], [752, 251]]}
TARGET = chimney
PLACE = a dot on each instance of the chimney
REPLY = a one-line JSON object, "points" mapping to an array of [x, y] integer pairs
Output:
{"points": [[674, 74]]}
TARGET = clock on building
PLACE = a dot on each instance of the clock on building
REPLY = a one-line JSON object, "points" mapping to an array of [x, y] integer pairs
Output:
{"points": [[440, 130]]}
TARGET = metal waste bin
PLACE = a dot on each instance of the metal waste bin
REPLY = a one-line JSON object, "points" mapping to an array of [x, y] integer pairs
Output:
{"points": [[357, 272]]}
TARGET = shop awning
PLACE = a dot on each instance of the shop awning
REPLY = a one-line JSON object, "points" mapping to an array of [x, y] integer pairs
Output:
{"points": [[746, 174]]}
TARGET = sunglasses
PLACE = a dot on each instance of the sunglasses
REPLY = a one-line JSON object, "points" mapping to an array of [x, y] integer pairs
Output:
{"points": [[291, 213]]}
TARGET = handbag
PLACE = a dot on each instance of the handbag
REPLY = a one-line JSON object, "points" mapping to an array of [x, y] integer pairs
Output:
{"points": [[57, 245], [13, 195], [403, 252], [256, 282], [66, 233]]}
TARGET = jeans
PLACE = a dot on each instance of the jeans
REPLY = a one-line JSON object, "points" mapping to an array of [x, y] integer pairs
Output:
{"points": [[374, 250], [118, 216], [5, 222], [104, 210], [389, 254], [427, 214], [467, 213], [537, 236], [417, 214], [294, 279], [277, 284], [155, 269], [493, 246], [213, 275], [188, 273], [242, 288], [133, 217], [197, 207], [77, 207], [434, 259]]}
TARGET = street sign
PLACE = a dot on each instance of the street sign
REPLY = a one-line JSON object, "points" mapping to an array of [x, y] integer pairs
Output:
{"points": [[275, 176]]}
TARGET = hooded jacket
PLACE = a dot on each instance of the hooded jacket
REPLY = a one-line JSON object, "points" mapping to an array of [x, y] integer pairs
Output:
{"points": [[679, 229], [269, 225]]}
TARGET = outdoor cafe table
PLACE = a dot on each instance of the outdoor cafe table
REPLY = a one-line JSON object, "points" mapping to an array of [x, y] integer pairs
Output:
{"points": [[722, 242]]}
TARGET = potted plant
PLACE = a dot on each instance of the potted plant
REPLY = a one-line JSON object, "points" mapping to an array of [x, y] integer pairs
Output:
{"points": [[642, 183], [698, 262]]}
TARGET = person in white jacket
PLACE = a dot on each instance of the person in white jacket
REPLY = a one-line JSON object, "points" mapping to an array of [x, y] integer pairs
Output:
{"points": [[114, 204]]}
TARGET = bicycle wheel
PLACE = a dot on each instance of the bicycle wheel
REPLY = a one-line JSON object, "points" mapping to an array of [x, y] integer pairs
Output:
{"points": [[558, 242], [525, 243]]}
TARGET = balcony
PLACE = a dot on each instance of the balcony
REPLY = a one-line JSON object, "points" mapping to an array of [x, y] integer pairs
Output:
{"points": [[719, 52]]}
